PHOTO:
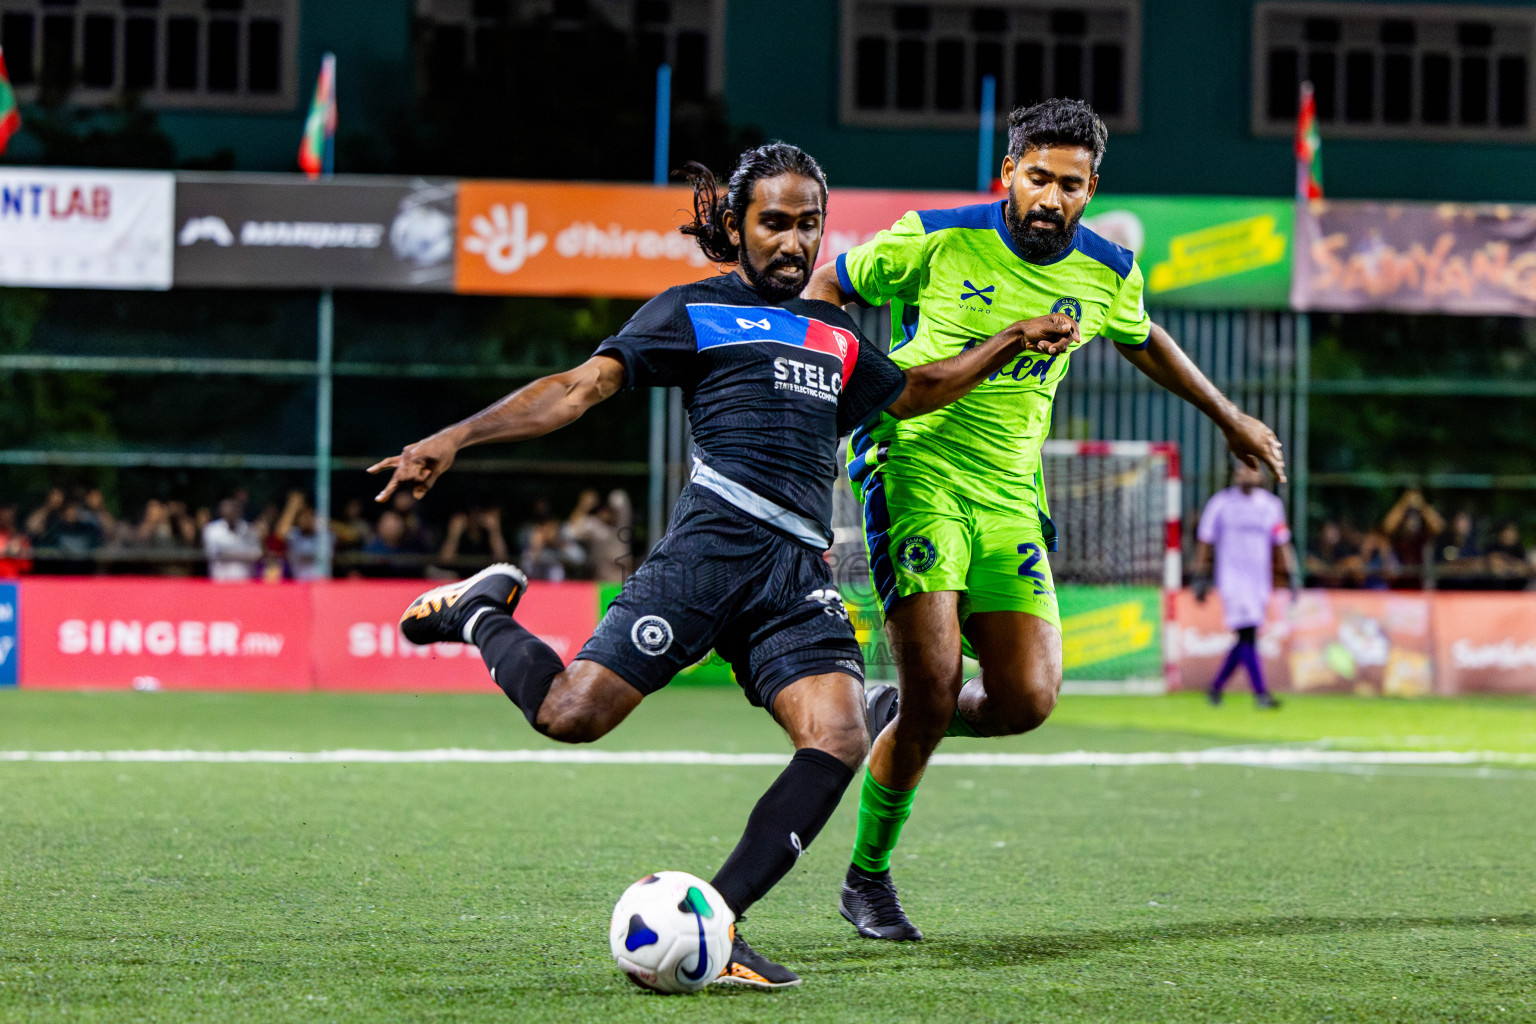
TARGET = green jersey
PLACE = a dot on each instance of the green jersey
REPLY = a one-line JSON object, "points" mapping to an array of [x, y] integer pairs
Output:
{"points": [[959, 279]]}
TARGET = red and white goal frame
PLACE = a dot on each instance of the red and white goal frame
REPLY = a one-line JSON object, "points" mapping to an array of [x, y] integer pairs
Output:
{"points": [[1161, 462]]}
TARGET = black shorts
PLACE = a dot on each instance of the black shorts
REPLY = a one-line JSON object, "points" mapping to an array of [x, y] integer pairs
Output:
{"points": [[720, 579]]}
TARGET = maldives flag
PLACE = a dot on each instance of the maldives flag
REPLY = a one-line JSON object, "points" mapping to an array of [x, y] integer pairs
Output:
{"points": [[10, 116], [316, 151], [1309, 148]]}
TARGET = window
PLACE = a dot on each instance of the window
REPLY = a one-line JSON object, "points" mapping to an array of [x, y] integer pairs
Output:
{"points": [[458, 36], [921, 65], [200, 54], [1396, 71]]}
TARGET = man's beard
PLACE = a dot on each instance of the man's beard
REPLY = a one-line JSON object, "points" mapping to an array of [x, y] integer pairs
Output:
{"points": [[1037, 244], [767, 285]]}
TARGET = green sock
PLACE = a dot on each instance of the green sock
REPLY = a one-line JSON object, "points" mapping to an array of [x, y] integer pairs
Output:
{"points": [[958, 726], [882, 812]]}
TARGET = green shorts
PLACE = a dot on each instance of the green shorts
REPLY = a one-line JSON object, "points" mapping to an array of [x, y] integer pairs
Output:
{"points": [[924, 537]]}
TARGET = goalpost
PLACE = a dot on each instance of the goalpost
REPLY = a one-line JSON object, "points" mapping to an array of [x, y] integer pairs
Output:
{"points": [[1117, 567]]}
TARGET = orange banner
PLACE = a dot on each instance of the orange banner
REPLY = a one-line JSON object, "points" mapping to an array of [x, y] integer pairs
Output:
{"points": [[621, 241], [1486, 643]]}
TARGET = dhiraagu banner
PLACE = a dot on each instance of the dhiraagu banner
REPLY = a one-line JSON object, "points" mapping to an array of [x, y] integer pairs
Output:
{"points": [[1203, 251]]}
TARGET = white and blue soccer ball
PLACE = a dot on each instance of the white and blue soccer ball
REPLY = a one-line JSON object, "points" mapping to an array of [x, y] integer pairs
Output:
{"points": [[672, 932]]}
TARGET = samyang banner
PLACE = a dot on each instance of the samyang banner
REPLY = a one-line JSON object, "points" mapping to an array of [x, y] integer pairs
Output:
{"points": [[1474, 259], [278, 231], [85, 228]]}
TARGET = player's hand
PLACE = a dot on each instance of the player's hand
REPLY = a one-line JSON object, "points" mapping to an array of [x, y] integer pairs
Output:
{"points": [[1254, 444], [1050, 335], [417, 466]]}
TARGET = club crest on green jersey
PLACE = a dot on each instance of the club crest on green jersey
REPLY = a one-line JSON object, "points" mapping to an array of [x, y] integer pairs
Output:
{"points": [[917, 553], [1070, 306]]}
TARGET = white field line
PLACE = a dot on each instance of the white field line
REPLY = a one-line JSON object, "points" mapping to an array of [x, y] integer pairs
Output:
{"points": [[1251, 757]]}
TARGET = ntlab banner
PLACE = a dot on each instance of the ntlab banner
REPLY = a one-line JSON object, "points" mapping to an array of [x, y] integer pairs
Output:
{"points": [[358, 646], [1416, 258], [85, 229], [279, 231], [176, 634]]}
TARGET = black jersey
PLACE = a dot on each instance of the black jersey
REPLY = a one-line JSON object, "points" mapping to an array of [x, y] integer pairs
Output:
{"points": [[769, 388]]}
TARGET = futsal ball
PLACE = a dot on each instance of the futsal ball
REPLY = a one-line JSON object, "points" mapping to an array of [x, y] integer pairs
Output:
{"points": [[672, 932]]}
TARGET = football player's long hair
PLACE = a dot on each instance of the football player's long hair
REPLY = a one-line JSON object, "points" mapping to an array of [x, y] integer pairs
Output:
{"points": [[710, 205]]}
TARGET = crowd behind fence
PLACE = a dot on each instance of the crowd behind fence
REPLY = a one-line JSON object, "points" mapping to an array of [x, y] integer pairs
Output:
{"points": [[1414, 545], [76, 532]]}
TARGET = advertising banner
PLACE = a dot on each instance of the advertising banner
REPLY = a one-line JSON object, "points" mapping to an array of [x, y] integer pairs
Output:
{"points": [[1485, 643], [173, 634], [545, 238], [85, 228], [1329, 641], [279, 231], [10, 612], [358, 646], [1477, 260], [1203, 252], [1111, 633]]}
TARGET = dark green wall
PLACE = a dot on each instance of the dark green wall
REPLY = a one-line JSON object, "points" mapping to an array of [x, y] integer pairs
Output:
{"points": [[782, 68]]}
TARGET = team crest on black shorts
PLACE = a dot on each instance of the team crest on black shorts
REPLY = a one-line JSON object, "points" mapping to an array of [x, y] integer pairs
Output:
{"points": [[917, 553], [652, 634], [1070, 306]]}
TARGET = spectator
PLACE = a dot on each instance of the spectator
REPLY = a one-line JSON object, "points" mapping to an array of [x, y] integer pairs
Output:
{"points": [[15, 548], [547, 555], [389, 541], [43, 517], [602, 527], [73, 531], [164, 527], [1506, 558], [303, 542], [416, 537], [94, 510], [1379, 566], [1334, 560], [231, 544], [1411, 526], [352, 531], [475, 534]]}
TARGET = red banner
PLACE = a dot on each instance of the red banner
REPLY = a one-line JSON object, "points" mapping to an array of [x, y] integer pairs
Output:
{"points": [[1485, 643], [358, 646], [176, 634], [194, 634]]}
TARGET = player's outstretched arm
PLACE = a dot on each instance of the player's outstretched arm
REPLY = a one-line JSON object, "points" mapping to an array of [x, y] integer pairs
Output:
{"points": [[547, 404], [934, 385], [1249, 438]]}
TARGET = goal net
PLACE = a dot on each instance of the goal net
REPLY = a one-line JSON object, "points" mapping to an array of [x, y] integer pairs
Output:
{"points": [[1115, 505]]}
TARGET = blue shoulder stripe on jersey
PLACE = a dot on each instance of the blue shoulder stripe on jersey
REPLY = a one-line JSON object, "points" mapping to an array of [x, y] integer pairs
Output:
{"points": [[845, 282], [1096, 247], [734, 325], [977, 216]]}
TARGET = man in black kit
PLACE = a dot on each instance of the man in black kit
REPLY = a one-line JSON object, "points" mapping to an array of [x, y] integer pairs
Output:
{"points": [[770, 381]]}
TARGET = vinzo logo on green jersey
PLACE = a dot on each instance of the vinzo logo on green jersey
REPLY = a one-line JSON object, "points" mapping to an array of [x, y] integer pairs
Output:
{"points": [[1070, 306], [917, 553]]}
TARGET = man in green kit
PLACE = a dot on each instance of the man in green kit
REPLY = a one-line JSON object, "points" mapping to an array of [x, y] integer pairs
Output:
{"points": [[956, 519]]}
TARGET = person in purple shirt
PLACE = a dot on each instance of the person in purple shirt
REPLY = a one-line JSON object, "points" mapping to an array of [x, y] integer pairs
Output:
{"points": [[1244, 526]]}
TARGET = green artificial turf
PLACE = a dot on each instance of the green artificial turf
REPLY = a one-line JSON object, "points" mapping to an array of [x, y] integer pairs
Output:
{"points": [[452, 892]]}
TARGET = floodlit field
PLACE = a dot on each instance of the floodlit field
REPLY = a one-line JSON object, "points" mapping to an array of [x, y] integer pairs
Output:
{"points": [[480, 892]]}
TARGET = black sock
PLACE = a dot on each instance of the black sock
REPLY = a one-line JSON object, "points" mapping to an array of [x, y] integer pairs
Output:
{"points": [[521, 664], [781, 826]]}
